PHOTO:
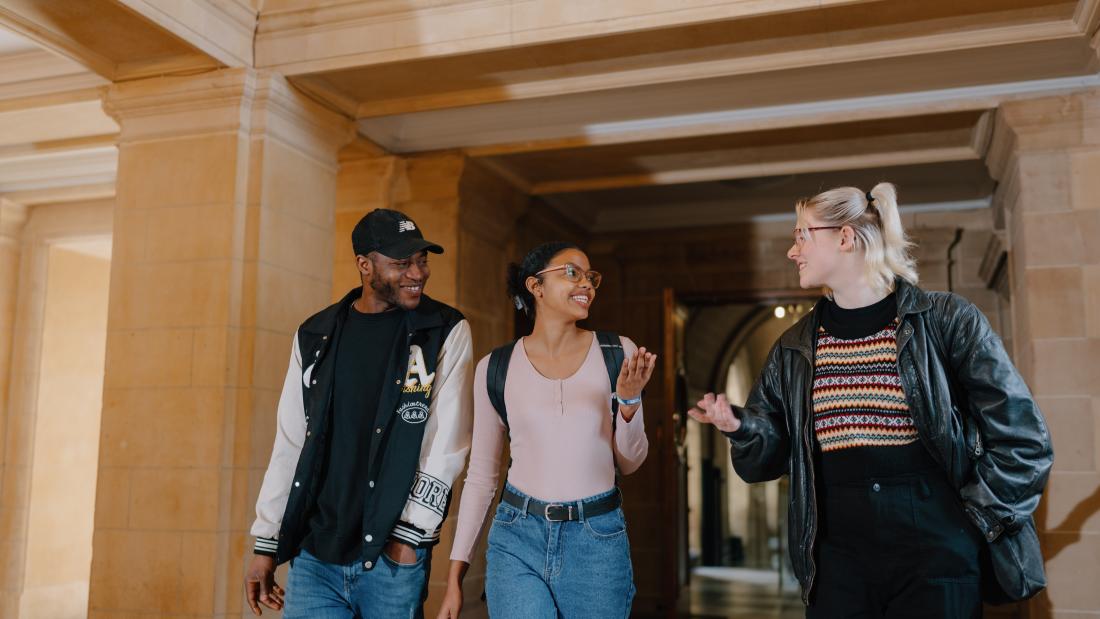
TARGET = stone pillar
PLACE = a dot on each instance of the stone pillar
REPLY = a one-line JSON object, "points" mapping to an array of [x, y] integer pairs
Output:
{"points": [[222, 245], [486, 239], [1046, 156], [362, 185], [12, 218], [12, 503], [23, 365]]}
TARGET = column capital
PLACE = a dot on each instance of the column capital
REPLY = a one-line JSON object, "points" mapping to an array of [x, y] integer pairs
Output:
{"points": [[255, 103], [1045, 124], [13, 216], [283, 112], [166, 107]]}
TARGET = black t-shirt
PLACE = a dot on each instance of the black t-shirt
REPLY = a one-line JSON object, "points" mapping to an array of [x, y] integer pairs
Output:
{"points": [[851, 324], [362, 353]]}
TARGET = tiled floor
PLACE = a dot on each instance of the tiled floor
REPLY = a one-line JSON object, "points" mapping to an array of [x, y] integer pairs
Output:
{"points": [[737, 593]]}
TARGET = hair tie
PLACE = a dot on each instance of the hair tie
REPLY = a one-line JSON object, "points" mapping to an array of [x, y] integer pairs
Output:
{"points": [[870, 199]]}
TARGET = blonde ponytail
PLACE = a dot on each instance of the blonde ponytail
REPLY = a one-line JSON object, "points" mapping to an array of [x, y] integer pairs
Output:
{"points": [[896, 259], [874, 218]]}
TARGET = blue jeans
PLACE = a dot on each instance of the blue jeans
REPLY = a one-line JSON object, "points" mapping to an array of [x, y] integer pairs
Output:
{"points": [[319, 590], [557, 570]]}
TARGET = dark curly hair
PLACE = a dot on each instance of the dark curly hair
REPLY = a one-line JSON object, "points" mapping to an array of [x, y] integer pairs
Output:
{"points": [[535, 261]]}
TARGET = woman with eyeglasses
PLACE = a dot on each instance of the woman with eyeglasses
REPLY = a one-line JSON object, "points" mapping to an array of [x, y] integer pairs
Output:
{"points": [[913, 446], [557, 544]]}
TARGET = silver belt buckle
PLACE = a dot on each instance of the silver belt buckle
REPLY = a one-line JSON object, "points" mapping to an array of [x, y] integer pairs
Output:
{"points": [[546, 512]]}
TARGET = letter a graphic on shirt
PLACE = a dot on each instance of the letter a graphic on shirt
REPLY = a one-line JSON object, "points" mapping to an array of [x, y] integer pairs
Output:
{"points": [[422, 381]]}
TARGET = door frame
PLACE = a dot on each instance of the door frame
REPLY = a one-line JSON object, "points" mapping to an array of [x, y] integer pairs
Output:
{"points": [[675, 504]]}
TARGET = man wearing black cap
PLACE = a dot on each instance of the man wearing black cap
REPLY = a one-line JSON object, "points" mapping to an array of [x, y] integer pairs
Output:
{"points": [[374, 424]]}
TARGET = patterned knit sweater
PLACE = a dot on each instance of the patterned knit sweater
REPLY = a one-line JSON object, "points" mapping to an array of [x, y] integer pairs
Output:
{"points": [[861, 417], [857, 398]]}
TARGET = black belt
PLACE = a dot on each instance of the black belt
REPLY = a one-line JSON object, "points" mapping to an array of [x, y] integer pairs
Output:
{"points": [[561, 512]]}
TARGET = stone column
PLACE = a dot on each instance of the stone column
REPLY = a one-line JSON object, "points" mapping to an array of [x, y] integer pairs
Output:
{"points": [[222, 245], [1046, 157], [362, 185], [12, 503], [12, 218]]}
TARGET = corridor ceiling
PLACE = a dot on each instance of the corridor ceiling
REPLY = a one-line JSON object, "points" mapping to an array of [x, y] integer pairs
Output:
{"points": [[620, 114]]}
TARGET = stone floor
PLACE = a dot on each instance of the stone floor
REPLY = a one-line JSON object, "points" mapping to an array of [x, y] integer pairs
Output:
{"points": [[737, 593]]}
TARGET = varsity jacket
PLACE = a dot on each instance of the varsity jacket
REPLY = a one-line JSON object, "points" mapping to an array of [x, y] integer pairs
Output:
{"points": [[418, 447]]}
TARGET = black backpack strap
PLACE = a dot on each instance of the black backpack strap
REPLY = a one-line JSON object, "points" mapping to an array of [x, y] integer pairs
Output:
{"points": [[495, 376], [612, 348]]}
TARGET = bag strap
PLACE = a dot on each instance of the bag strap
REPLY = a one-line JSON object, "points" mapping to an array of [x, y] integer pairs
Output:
{"points": [[612, 348], [495, 376]]}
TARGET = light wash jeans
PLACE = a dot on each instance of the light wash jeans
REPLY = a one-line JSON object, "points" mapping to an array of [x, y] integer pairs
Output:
{"points": [[319, 590], [539, 569]]}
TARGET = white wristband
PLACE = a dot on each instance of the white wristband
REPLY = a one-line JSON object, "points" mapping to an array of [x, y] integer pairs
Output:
{"points": [[630, 402]]}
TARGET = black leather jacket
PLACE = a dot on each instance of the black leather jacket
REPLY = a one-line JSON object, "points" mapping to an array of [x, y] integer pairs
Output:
{"points": [[996, 451]]}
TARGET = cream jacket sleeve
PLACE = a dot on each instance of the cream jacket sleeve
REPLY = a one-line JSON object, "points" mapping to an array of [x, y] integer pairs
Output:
{"points": [[446, 441]]}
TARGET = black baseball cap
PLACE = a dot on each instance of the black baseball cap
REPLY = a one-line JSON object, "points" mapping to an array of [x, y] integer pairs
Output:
{"points": [[390, 233]]}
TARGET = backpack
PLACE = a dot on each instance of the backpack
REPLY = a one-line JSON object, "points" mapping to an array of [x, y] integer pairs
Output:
{"points": [[497, 372]]}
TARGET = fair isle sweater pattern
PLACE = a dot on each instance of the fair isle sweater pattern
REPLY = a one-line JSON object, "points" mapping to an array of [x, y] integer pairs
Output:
{"points": [[857, 396]]}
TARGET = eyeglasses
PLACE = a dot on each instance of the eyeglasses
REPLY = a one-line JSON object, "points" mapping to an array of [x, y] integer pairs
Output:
{"points": [[801, 234], [574, 274]]}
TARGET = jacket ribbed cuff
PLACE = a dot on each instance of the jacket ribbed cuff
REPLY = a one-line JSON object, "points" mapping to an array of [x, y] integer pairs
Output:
{"points": [[266, 546], [413, 536]]}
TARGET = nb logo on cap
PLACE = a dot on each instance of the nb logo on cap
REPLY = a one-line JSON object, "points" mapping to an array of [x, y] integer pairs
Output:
{"points": [[406, 226]]}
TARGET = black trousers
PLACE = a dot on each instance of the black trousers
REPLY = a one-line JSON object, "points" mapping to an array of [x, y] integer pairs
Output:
{"points": [[895, 548]]}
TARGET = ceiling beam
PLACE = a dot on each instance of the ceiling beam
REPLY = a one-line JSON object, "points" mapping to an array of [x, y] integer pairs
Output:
{"points": [[67, 193], [118, 42], [40, 124], [703, 64], [404, 135], [91, 166], [850, 161], [700, 215], [296, 37], [58, 146], [27, 77], [221, 29], [32, 28]]}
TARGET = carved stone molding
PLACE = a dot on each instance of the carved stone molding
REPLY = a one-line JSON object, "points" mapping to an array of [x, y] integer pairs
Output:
{"points": [[994, 260], [230, 100]]}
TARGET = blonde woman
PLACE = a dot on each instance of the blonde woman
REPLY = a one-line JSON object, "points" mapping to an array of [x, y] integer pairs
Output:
{"points": [[913, 446]]}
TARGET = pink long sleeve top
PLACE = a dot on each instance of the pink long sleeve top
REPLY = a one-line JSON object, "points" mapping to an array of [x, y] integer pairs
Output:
{"points": [[562, 443]]}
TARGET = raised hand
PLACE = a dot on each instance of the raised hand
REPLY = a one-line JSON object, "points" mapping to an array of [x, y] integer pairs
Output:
{"points": [[716, 411], [633, 377]]}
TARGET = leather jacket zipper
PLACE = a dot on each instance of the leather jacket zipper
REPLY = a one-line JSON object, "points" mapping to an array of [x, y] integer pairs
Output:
{"points": [[808, 444], [813, 497]]}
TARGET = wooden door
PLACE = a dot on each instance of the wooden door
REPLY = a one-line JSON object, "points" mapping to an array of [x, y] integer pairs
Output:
{"points": [[673, 449]]}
